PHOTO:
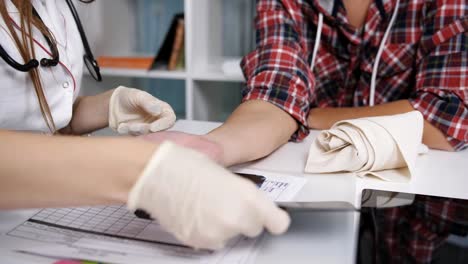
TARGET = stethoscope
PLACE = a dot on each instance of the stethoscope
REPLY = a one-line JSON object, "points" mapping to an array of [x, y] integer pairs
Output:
{"points": [[88, 57], [377, 58]]}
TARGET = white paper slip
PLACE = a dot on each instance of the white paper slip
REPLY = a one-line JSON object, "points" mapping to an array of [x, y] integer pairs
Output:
{"points": [[278, 187]]}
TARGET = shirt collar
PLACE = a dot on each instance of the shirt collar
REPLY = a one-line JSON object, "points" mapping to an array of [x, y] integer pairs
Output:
{"points": [[371, 25]]}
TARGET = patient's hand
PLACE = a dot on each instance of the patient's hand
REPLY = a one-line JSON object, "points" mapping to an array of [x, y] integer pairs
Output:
{"points": [[196, 142]]}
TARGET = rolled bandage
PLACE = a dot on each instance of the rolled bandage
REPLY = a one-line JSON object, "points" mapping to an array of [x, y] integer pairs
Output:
{"points": [[385, 147]]}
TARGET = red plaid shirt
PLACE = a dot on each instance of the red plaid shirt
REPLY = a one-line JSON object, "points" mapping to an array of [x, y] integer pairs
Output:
{"points": [[425, 60], [412, 234]]}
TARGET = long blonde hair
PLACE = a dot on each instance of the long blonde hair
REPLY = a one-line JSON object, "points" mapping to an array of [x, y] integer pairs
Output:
{"points": [[25, 45]]}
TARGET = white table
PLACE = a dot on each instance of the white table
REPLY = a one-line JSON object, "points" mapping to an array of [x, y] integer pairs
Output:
{"points": [[438, 173], [313, 238], [318, 237]]}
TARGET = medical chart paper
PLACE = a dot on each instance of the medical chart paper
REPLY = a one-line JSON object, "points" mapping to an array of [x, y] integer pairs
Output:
{"points": [[114, 235], [67, 243]]}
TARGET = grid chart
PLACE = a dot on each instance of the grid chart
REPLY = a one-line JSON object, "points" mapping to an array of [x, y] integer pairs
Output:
{"points": [[109, 220], [117, 221]]}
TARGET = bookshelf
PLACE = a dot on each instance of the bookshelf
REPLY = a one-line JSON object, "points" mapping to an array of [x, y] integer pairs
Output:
{"points": [[215, 30]]}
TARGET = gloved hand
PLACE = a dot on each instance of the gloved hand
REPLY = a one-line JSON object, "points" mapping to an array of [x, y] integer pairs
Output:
{"points": [[132, 111], [202, 204]]}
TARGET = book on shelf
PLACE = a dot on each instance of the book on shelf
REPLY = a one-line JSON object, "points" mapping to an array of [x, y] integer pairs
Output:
{"points": [[142, 62], [180, 65], [176, 47], [171, 54], [172, 48]]}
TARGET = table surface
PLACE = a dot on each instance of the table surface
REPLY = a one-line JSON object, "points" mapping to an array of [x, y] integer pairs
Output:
{"points": [[322, 237], [312, 236], [438, 173]]}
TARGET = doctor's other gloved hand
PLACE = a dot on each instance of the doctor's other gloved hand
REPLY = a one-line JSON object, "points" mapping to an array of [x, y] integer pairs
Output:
{"points": [[202, 204], [136, 112]]}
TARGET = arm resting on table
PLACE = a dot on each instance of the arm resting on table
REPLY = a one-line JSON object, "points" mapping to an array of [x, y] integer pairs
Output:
{"points": [[255, 129]]}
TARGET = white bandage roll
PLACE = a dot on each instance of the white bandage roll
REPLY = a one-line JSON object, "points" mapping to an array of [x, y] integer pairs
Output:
{"points": [[385, 147]]}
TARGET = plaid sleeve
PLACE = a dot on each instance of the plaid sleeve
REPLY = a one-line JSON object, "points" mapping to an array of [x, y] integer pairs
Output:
{"points": [[441, 93], [277, 71]]}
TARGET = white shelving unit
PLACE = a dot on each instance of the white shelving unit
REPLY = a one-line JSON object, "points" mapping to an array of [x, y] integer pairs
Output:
{"points": [[209, 93]]}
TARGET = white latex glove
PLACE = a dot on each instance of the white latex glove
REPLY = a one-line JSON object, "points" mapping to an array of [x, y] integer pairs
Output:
{"points": [[202, 204], [132, 111]]}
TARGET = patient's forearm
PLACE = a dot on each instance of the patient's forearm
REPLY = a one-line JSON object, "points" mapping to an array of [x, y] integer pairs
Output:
{"points": [[324, 118], [254, 130]]}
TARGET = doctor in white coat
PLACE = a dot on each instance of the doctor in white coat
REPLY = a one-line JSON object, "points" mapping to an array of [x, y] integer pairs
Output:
{"points": [[43, 50]]}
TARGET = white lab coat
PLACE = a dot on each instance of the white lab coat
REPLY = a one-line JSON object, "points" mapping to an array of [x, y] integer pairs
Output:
{"points": [[19, 106]]}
